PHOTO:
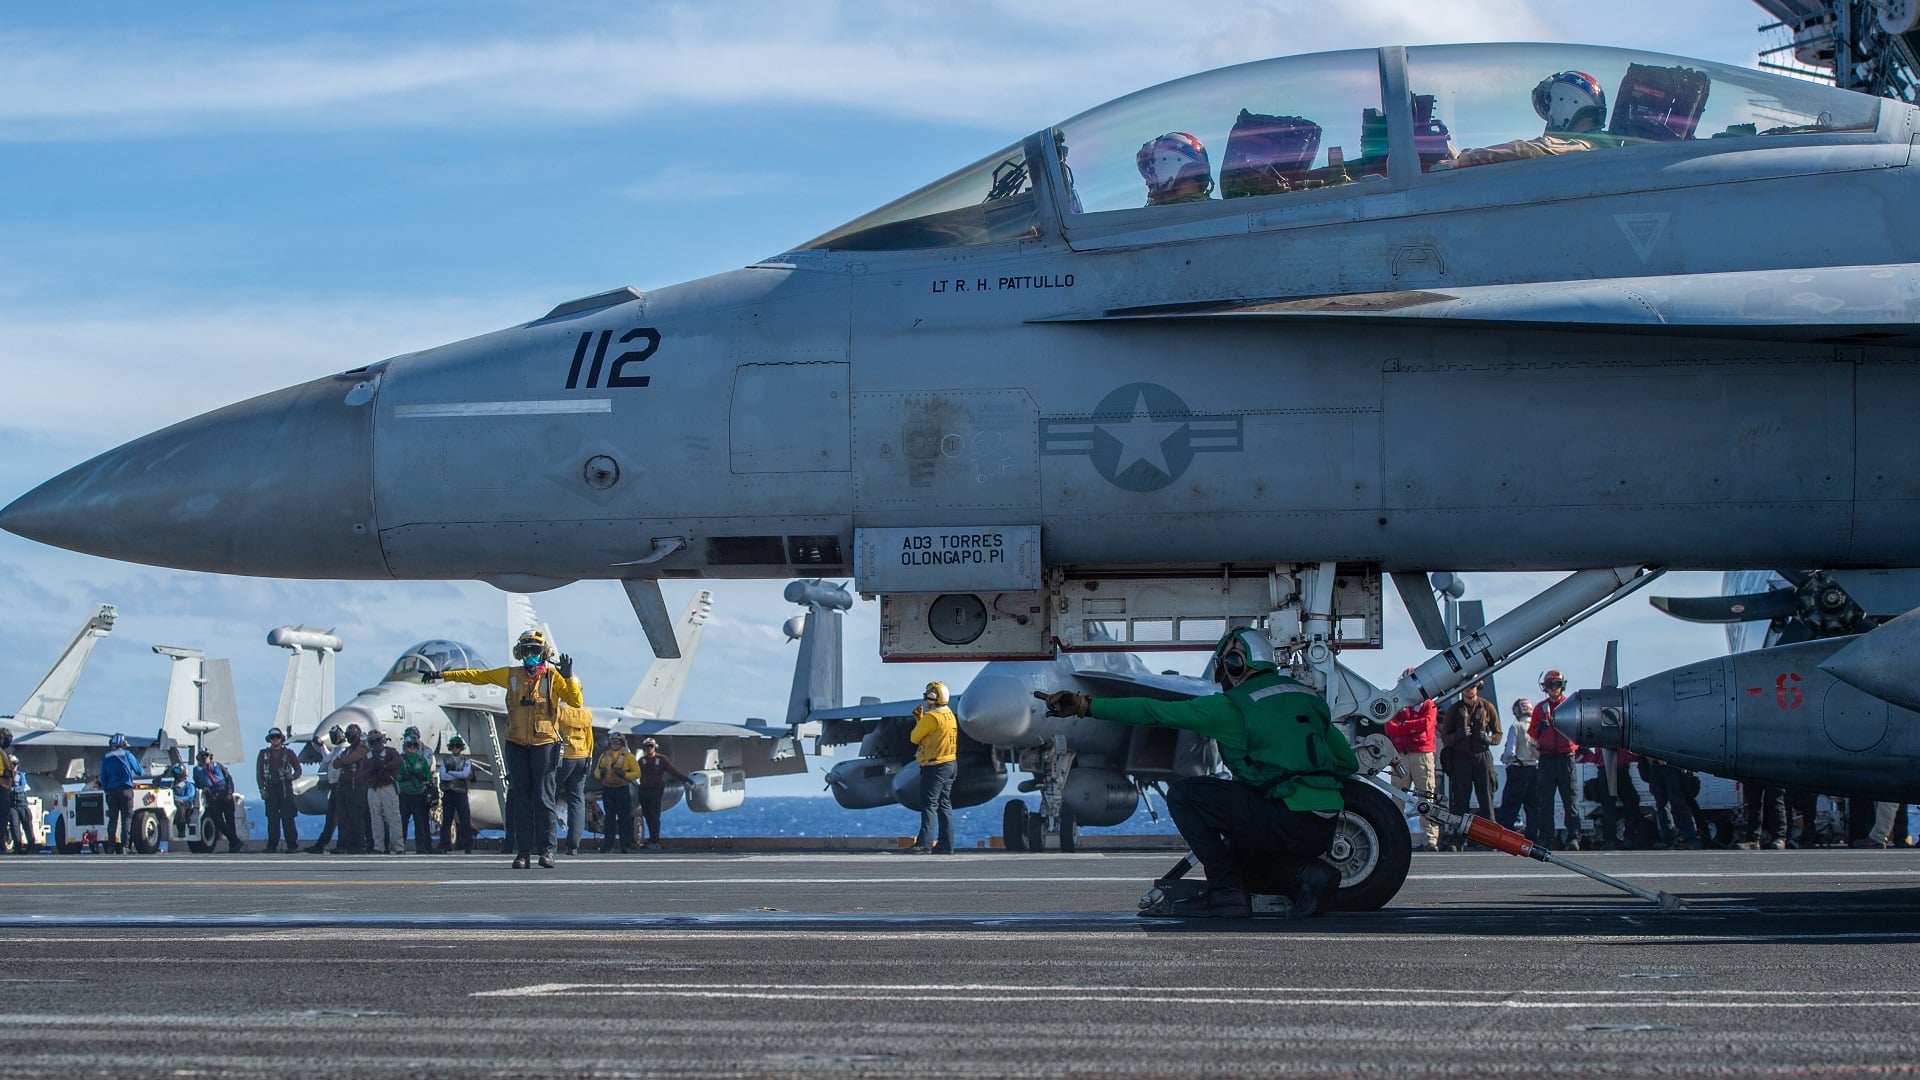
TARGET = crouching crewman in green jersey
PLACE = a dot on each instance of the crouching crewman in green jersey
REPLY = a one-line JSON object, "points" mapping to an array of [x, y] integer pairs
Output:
{"points": [[1287, 759]]}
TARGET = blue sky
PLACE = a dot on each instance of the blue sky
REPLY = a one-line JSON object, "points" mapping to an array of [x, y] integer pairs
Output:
{"points": [[203, 202]]}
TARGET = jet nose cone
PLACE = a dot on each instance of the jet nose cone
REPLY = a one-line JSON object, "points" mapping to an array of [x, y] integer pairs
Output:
{"points": [[997, 711], [280, 486], [1596, 718]]}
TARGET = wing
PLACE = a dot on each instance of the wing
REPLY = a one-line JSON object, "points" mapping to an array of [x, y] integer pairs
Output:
{"points": [[1841, 304], [756, 751], [1148, 685], [875, 710]]}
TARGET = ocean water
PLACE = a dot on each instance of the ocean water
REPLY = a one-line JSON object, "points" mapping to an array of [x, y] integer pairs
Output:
{"points": [[799, 815]]}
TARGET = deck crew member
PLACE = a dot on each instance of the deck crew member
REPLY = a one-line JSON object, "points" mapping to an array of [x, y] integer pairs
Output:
{"points": [[654, 770], [456, 777], [118, 770], [275, 770], [1287, 759], [616, 770], [936, 747], [535, 691]]}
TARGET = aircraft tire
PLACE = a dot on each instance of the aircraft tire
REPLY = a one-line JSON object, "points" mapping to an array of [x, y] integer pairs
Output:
{"points": [[1069, 831], [1036, 833], [1013, 825], [147, 831], [60, 842], [1371, 848]]}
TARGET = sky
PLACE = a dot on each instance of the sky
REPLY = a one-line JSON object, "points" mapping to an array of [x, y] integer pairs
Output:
{"points": [[203, 202]]}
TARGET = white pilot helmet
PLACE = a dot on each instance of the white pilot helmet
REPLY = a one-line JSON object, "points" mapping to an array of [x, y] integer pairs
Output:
{"points": [[1564, 98], [1171, 159]]}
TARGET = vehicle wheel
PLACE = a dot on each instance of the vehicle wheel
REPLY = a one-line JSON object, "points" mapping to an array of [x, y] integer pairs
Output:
{"points": [[1036, 833], [60, 842], [1069, 831], [147, 832], [1371, 848], [1013, 825], [208, 837]]}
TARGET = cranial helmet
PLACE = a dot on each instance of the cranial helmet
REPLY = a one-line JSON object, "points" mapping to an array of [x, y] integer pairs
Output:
{"points": [[1552, 676], [1563, 100], [1241, 655], [179, 771], [336, 733], [456, 743], [532, 643], [376, 735], [117, 742], [411, 732], [1172, 159], [936, 692], [353, 733], [275, 733]]}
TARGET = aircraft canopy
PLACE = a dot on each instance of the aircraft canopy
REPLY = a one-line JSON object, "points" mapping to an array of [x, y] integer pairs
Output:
{"points": [[435, 655], [1277, 128]]}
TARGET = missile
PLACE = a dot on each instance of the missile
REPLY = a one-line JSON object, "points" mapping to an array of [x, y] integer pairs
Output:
{"points": [[1770, 716]]}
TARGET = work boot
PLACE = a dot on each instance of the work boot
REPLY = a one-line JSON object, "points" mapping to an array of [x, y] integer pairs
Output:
{"points": [[1313, 889], [317, 849], [546, 861], [522, 861]]}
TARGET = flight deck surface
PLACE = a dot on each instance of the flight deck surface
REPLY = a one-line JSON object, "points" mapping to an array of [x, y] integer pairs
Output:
{"points": [[980, 964]]}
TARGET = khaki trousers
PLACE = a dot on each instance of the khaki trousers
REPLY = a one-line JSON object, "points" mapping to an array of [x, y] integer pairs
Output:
{"points": [[1418, 766]]}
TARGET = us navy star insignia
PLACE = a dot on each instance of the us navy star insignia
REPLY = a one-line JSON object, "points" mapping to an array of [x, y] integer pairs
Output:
{"points": [[1141, 437]]}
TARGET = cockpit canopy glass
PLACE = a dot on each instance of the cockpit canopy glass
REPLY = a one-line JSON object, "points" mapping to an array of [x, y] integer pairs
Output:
{"points": [[1502, 103], [987, 202], [436, 655], [1298, 123]]}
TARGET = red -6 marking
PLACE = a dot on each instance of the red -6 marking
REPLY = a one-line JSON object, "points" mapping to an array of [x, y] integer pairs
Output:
{"points": [[1786, 690]]}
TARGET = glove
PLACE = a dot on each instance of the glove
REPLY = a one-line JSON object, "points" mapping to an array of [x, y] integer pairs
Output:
{"points": [[565, 666], [1066, 703], [429, 676]]}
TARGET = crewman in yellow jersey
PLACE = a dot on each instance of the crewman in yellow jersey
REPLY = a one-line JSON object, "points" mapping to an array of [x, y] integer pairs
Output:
{"points": [[936, 740], [536, 690]]}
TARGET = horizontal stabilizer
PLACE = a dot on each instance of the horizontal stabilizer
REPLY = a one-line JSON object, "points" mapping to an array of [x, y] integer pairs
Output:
{"points": [[1752, 607], [1841, 304]]}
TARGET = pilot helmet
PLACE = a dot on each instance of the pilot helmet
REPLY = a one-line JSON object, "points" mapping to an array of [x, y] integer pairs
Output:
{"points": [[936, 693], [1241, 655], [1566, 99], [532, 645], [275, 733], [456, 743], [1171, 160], [117, 741]]}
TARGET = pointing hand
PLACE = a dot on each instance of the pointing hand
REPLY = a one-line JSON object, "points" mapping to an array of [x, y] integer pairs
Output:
{"points": [[1066, 703]]}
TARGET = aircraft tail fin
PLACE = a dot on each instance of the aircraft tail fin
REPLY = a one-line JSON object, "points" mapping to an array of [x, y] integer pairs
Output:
{"points": [[307, 693], [217, 706], [817, 669], [521, 618], [49, 699], [658, 694], [200, 707]]}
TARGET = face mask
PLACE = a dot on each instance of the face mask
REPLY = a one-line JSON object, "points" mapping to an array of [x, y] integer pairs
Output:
{"points": [[530, 662]]}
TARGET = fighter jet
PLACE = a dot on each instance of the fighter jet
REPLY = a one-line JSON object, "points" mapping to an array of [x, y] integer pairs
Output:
{"points": [[1182, 362], [1817, 691]]}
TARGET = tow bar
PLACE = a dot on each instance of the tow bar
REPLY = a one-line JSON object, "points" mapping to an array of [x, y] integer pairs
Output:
{"points": [[1498, 837]]}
